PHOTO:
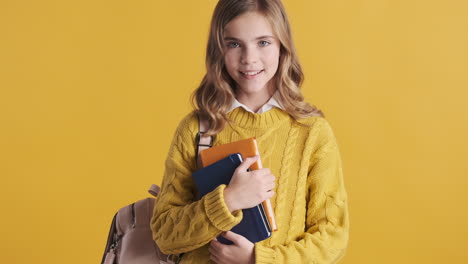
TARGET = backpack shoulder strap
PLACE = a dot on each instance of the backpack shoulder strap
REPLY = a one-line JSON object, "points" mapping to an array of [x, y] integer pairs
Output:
{"points": [[154, 190], [203, 142]]}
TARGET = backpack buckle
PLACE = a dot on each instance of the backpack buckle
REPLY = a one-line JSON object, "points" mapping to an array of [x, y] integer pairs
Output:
{"points": [[199, 136], [174, 259]]}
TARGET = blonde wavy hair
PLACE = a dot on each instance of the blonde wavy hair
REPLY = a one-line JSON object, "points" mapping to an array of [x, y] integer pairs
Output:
{"points": [[213, 98]]}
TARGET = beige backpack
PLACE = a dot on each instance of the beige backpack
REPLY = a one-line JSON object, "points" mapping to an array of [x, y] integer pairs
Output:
{"points": [[130, 238]]}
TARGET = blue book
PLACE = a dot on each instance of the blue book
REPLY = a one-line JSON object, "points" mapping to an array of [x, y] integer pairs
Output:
{"points": [[253, 226]]}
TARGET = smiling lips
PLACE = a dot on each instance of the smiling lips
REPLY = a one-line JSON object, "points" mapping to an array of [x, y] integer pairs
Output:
{"points": [[250, 74]]}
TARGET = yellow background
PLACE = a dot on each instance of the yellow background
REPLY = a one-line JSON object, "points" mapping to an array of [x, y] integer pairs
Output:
{"points": [[91, 93]]}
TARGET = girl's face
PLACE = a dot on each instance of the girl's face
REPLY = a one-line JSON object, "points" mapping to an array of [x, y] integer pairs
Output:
{"points": [[251, 53]]}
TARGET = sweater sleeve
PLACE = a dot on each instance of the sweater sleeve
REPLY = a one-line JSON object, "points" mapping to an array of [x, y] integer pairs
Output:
{"points": [[327, 223], [179, 223]]}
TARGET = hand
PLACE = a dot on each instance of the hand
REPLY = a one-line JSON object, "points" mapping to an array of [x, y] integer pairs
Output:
{"points": [[241, 252], [248, 189]]}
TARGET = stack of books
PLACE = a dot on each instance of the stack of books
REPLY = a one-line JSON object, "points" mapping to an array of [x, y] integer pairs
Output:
{"points": [[219, 164]]}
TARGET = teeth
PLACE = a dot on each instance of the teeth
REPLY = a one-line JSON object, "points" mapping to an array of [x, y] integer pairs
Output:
{"points": [[251, 73]]}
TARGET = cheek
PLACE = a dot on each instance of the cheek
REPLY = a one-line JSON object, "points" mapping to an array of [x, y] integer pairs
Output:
{"points": [[272, 58], [230, 60], [229, 68]]}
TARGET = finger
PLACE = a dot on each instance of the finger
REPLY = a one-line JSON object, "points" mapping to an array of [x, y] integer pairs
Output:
{"points": [[235, 238], [270, 194], [271, 186], [272, 178], [247, 163], [214, 253], [215, 245], [263, 172], [214, 258]]}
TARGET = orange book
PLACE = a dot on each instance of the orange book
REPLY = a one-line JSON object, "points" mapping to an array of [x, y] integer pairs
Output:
{"points": [[247, 148]]}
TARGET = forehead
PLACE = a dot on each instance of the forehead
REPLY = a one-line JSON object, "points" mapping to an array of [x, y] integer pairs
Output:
{"points": [[248, 26]]}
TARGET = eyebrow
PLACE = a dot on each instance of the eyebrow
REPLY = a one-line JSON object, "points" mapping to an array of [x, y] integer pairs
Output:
{"points": [[261, 37]]}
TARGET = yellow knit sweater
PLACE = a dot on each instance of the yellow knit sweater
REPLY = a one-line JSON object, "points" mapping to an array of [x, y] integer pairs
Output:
{"points": [[310, 201]]}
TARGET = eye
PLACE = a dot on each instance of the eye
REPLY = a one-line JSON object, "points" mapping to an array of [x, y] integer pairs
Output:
{"points": [[233, 44], [264, 43]]}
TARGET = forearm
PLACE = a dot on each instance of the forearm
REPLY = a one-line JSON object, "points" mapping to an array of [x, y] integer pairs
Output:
{"points": [[178, 229], [322, 243]]}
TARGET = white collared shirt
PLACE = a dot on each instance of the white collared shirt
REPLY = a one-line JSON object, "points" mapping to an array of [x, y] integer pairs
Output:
{"points": [[268, 106]]}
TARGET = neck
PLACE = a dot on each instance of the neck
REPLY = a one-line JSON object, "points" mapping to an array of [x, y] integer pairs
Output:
{"points": [[266, 120], [254, 101]]}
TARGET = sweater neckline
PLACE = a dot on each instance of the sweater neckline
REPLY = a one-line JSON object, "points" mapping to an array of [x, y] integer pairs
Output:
{"points": [[246, 119]]}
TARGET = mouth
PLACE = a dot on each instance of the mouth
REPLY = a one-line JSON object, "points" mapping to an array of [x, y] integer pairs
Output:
{"points": [[251, 74]]}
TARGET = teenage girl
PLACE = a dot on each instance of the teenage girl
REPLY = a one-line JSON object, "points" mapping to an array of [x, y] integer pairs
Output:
{"points": [[251, 89]]}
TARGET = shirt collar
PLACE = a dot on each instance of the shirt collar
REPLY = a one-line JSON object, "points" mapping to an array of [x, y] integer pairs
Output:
{"points": [[267, 106]]}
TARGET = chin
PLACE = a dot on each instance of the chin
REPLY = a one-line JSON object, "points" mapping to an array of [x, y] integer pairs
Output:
{"points": [[252, 88]]}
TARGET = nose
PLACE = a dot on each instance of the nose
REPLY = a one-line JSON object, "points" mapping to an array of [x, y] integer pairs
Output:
{"points": [[249, 55]]}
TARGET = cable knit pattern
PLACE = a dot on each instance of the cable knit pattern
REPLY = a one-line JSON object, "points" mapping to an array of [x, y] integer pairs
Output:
{"points": [[310, 202], [298, 212], [284, 203]]}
